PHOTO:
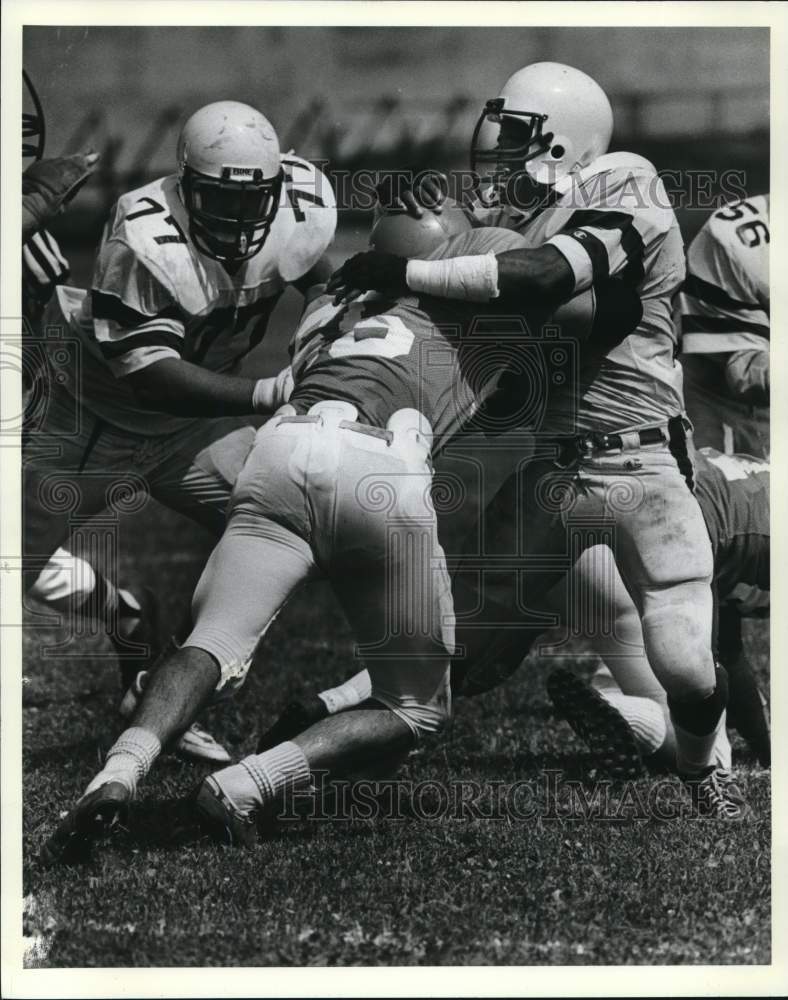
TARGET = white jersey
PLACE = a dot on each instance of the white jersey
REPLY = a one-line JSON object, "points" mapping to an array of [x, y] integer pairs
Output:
{"points": [[155, 295], [725, 299], [614, 218]]}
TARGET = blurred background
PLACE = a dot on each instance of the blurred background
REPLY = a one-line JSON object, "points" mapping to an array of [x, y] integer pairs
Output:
{"points": [[689, 99]]}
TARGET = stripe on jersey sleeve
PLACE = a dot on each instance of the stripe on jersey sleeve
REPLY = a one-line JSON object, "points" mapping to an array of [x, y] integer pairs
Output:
{"points": [[710, 294], [105, 305], [155, 337], [721, 334], [140, 357], [609, 240], [129, 340]]}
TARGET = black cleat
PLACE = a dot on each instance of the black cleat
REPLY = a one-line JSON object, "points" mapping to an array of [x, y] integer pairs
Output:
{"points": [[602, 728], [140, 649], [297, 716], [218, 816], [94, 817]]}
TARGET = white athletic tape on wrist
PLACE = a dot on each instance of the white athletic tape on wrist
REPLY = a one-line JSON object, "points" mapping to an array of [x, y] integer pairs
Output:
{"points": [[271, 393], [470, 279], [262, 396]]}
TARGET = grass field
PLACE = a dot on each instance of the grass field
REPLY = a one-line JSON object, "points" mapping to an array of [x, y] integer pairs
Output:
{"points": [[556, 888], [415, 890]]}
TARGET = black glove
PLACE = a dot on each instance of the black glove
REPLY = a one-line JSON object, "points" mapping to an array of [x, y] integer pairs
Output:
{"points": [[369, 271], [49, 185]]}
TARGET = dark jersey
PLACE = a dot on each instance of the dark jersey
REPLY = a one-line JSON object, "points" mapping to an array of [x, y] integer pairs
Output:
{"points": [[733, 491], [439, 357], [385, 356]]}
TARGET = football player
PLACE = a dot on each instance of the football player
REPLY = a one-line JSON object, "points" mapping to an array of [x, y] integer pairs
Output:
{"points": [[623, 714], [613, 465], [338, 483], [725, 329], [188, 272]]}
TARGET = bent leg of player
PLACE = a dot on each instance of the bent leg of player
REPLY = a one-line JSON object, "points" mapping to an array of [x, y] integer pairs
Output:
{"points": [[664, 555], [249, 576], [619, 729], [626, 682], [375, 534], [633, 688], [193, 473]]}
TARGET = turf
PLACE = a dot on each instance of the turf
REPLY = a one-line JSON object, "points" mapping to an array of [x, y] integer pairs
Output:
{"points": [[550, 889]]}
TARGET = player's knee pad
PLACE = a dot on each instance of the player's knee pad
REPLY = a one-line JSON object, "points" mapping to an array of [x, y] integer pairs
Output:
{"points": [[424, 706], [65, 578]]}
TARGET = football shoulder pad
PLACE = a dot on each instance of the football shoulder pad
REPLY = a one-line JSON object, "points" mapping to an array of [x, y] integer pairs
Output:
{"points": [[608, 177], [307, 219], [149, 227]]}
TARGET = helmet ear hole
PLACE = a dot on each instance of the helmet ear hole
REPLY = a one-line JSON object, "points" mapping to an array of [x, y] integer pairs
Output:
{"points": [[557, 152]]}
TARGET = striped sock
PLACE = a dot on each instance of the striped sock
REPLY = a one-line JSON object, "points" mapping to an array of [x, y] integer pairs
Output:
{"points": [[260, 778], [129, 759]]}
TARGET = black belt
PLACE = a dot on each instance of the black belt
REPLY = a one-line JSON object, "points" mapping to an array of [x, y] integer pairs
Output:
{"points": [[572, 449]]}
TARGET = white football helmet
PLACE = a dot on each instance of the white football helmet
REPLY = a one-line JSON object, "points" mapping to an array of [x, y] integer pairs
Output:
{"points": [[549, 120], [401, 234], [230, 176]]}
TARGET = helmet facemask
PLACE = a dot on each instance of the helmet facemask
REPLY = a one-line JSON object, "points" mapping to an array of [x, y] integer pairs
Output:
{"points": [[519, 138], [230, 216], [33, 124]]}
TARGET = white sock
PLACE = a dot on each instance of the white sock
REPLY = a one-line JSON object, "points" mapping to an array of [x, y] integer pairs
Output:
{"points": [[64, 578], [129, 612], [694, 754], [349, 694], [129, 759], [723, 756], [260, 778], [644, 716]]}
